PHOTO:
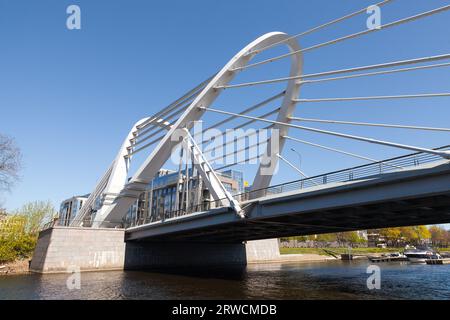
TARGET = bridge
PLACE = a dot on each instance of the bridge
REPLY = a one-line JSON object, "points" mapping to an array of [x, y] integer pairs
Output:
{"points": [[410, 189]]}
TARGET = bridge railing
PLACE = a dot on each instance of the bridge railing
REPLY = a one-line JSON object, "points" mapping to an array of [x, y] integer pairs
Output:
{"points": [[346, 175], [163, 216], [79, 223]]}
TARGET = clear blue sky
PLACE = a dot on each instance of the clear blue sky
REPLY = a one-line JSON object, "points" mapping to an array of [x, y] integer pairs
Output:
{"points": [[70, 97]]}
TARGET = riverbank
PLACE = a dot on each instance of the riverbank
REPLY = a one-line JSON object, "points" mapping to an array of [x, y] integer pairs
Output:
{"points": [[15, 268], [357, 251], [322, 252], [304, 257]]}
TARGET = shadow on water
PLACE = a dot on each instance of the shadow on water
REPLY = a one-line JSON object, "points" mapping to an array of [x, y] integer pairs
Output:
{"points": [[232, 272]]}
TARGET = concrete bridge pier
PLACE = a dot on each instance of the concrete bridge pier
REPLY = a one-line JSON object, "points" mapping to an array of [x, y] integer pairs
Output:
{"points": [[147, 255]]}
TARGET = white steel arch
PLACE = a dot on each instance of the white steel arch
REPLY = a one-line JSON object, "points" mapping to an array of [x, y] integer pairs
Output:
{"points": [[161, 153]]}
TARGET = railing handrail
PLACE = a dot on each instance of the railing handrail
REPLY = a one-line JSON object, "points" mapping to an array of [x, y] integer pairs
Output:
{"points": [[382, 162], [57, 223]]}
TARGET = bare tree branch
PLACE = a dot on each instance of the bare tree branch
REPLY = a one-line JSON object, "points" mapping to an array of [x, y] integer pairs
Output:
{"points": [[10, 162]]}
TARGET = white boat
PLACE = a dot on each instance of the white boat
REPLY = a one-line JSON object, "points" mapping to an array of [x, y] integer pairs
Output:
{"points": [[421, 255]]}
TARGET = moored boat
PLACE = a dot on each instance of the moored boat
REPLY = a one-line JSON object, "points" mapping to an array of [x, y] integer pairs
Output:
{"points": [[391, 257], [421, 255]]}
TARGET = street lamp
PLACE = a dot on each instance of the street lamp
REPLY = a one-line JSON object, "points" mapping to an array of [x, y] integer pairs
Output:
{"points": [[299, 156]]}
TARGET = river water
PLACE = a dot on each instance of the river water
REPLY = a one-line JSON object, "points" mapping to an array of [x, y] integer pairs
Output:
{"points": [[331, 280]]}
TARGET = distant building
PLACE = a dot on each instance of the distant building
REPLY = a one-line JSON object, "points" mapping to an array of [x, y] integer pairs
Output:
{"points": [[375, 239], [236, 176], [173, 193], [69, 209], [170, 192], [363, 234]]}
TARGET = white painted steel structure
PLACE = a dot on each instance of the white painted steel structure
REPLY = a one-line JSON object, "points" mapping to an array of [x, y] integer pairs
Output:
{"points": [[171, 127]]}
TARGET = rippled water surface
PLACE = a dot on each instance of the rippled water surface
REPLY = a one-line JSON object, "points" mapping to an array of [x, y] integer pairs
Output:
{"points": [[334, 280]]}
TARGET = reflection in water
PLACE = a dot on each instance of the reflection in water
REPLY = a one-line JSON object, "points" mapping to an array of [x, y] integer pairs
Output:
{"points": [[334, 280]]}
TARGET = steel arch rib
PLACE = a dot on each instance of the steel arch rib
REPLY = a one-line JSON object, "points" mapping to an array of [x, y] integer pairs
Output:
{"points": [[145, 174], [264, 175]]}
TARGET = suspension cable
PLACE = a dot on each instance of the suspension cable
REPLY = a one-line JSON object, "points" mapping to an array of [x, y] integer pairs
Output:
{"points": [[348, 16], [179, 101], [378, 73], [143, 147], [382, 125], [142, 140], [240, 150], [351, 36], [259, 105], [164, 127], [266, 115], [339, 151], [410, 96], [242, 125], [378, 66], [238, 139], [252, 108], [181, 106], [442, 154], [139, 134], [238, 162], [148, 130], [294, 167], [254, 83]]}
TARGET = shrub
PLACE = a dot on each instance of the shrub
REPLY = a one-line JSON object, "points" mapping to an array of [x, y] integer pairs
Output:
{"points": [[19, 232]]}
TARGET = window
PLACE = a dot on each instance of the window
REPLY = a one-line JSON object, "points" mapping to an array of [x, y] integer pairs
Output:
{"points": [[228, 187]]}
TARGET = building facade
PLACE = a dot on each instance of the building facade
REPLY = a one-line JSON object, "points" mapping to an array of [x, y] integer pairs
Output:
{"points": [[69, 209], [173, 194], [169, 195]]}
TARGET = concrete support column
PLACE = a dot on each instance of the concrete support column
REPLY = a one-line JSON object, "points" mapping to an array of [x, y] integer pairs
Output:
{"points": [[262, 250], [146, 255], [61, 248]]}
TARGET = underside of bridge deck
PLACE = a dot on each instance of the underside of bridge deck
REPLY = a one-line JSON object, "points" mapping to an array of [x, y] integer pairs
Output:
{"points": [[428, 210]]}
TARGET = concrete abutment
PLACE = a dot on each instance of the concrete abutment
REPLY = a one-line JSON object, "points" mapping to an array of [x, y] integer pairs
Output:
{"points": [[62, 249]]}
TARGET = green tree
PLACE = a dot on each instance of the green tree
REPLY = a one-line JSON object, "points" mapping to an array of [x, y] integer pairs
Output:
{"points": [[415, 234], [422, 232], [409, 234], [393, 234], [19, 232], [37, 213], [439, 236], [350, 237], [447, 238], [12, 232], [328, 237]]}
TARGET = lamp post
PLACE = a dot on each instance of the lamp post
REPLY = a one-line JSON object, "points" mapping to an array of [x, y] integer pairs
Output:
{"points": [[299, 156]]}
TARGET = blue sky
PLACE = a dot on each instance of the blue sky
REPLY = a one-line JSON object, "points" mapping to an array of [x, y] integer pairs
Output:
{"points": [[69, 97]]}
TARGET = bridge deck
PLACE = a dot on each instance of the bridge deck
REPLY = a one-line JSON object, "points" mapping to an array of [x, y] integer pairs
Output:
{"points": [[409, 197]]}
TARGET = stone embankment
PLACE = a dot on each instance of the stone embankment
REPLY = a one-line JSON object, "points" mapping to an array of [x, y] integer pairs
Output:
{"points": [[16, 267]]}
